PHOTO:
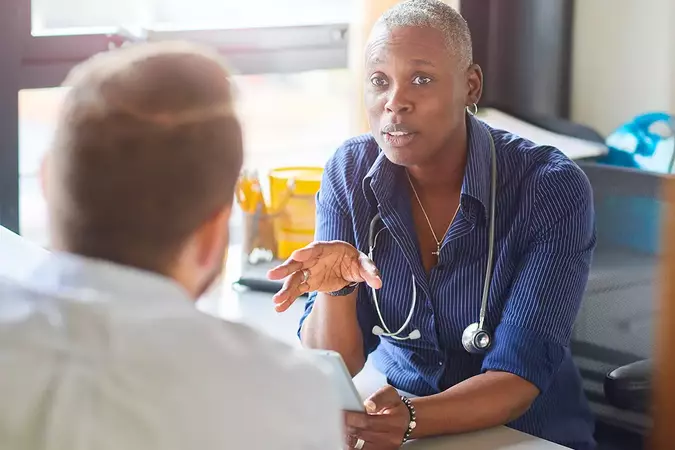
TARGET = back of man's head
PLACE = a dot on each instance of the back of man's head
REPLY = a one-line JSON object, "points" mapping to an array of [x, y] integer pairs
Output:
{"points": [[148, 148]]}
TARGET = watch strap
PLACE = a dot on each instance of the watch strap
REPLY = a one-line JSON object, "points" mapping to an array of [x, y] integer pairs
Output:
{"points": [[344, 291]]}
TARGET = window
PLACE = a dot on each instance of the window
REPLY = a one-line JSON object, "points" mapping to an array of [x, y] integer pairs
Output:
{"points": [[293, 52], [257, 36], [303, 118]]}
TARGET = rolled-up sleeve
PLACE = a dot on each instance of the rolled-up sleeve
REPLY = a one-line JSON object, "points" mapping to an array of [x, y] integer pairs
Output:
{"points": [[533, 336], [334, 222]]}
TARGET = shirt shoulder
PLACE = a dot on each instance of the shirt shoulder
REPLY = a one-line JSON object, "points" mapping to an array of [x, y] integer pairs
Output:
{"points": [[551, 186], [344, 173], [161, 373], [352, 160], [528, 162]]}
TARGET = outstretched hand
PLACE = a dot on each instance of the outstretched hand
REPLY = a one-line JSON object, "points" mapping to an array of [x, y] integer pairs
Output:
{"points": [[322, 267]]}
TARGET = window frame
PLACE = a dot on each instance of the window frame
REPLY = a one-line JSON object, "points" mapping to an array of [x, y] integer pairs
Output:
{"points": [[46, 60], [10, 56]]}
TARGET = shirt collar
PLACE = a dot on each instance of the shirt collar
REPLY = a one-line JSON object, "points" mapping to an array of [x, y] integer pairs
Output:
{"points": [[383, 176], [62, 272]]}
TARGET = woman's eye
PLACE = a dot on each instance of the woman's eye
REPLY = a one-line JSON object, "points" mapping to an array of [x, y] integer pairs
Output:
{"points": [[421, 80], [378, 81]]}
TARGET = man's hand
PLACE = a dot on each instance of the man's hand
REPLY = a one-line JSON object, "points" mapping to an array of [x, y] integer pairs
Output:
{"points": [[384, 424], [322, 267]]}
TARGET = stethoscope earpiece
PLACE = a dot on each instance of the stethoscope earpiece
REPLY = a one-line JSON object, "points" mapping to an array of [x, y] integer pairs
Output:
{"points": [[414, 334]]}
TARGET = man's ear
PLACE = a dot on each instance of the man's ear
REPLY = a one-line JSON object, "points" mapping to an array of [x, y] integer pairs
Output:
{"points": [[44, 173], [213, 236]]}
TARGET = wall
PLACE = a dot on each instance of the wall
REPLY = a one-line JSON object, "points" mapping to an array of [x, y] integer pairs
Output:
{"points": [[623, 60]]}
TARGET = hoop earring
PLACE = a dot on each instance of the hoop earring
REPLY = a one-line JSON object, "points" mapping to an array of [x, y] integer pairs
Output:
{"points": [[472, 109]]}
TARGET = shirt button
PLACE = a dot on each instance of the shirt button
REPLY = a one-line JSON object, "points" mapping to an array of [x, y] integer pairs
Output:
{"points": [[440, 363]]}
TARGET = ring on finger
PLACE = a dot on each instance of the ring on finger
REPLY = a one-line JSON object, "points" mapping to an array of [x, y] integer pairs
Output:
{"points": [[359, 444], [305, 276]]}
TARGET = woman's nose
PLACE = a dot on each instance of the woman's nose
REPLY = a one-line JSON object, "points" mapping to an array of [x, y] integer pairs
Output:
{"points": [[398, 102]]}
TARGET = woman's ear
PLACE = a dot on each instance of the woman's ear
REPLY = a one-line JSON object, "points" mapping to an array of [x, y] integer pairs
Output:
{"points": [[475, 82]]}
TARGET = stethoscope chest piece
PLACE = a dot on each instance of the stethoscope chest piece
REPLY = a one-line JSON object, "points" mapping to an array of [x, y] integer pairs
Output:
{"points": [[475, 339]]}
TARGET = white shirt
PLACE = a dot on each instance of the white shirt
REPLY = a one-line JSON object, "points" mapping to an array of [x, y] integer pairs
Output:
{"points": [[97, 356]]}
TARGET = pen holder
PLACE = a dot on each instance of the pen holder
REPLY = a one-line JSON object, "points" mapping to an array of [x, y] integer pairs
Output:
{"points": [[259, 240]]}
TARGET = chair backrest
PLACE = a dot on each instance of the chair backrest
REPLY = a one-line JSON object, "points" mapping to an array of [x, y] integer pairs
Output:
{"points": [[614, 326]]}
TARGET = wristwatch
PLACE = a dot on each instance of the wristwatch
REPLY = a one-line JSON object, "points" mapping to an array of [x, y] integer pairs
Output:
{"points": [[344, 291]]}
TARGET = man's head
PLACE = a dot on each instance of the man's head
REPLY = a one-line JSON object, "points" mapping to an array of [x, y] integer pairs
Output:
{"points": [[144, 162], [420, 78]]}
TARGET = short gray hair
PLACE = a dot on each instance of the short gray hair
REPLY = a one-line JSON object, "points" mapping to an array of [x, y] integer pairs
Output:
{"points": [[437, 15]]}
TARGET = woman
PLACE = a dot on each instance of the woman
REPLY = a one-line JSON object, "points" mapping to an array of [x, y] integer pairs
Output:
{"points": [[421, 188]]}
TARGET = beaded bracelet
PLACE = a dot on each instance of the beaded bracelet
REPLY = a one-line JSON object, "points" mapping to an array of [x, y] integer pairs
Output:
{"points": [[413, 418]]}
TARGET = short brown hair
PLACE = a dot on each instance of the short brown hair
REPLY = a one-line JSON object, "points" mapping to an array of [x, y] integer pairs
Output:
{"points": [[147, 149]]}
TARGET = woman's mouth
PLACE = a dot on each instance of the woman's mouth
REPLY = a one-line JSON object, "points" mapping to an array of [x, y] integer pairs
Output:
{"points": [[399, 138]]}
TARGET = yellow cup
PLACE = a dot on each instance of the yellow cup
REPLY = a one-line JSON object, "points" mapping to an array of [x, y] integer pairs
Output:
{"points": [[292, 201]]}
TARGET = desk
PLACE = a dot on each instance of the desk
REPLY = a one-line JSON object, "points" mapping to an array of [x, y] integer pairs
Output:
{"points": [[500, 438], [572, 147]]}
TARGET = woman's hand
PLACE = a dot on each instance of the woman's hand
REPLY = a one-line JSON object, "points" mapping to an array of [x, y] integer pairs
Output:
{"points": [[322, 267], [384, 424]]}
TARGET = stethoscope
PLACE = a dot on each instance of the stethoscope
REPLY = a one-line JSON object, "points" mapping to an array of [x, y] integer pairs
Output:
{"points": [[476, 337]]}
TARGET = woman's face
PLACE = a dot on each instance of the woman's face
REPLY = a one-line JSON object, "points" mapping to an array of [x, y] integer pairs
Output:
{"points": [[416, 93]]}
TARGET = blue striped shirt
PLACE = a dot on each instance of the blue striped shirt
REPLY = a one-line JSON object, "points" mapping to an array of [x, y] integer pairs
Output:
{"points": [[544, 240]]}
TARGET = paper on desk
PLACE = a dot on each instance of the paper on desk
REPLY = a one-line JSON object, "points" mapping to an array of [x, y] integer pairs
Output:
{"points": [[574, 148]]}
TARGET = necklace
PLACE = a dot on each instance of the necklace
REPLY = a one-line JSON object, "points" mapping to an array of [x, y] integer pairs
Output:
{"points": [[437, 253]]}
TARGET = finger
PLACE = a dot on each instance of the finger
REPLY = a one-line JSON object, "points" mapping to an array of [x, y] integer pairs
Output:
{"points": [[356, 421], [376, 440], [350, 441], [311, 251], [293, 287], [385, 398], [368, 271], [299, 259], [285, 269]]}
